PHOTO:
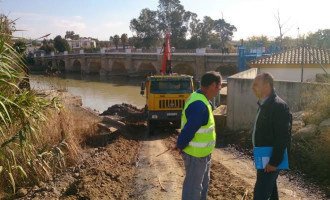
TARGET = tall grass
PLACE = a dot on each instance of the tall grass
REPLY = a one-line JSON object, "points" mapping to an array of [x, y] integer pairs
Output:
{"points": [[21, 110], [312, 153], [317, 102]]}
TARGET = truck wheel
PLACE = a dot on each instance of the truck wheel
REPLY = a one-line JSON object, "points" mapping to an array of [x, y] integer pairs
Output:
{"points": [[177, 124], [150, 127]]}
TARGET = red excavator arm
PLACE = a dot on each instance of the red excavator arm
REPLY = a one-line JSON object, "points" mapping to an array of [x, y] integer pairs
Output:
{"points": [[167, 56]]}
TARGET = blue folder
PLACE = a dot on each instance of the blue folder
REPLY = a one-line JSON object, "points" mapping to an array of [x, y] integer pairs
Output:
{"points": [[262, 156]]}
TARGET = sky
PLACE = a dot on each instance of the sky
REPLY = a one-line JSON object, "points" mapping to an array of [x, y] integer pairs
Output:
{"points": [[104, 18]]}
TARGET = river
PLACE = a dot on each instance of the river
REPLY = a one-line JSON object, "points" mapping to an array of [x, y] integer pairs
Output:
{"points": [[97, 92]]}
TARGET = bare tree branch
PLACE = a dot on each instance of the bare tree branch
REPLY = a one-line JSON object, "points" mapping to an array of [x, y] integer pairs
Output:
{"points": [[281, 25]]}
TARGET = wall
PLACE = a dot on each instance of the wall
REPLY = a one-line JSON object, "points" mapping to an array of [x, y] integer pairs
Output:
{"points": [[294, 74], [242, 104]]}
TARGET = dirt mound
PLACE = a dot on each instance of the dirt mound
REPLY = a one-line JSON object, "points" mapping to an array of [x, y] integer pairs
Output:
{"points": [[123, 110], [126, 113], [106, 172]]}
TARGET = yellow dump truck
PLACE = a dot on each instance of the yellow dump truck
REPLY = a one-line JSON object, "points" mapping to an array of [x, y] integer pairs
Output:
{"points": [[165, 98]]}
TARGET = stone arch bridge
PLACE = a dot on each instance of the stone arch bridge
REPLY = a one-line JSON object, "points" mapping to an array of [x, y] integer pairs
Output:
{"points": [[137, 64]]}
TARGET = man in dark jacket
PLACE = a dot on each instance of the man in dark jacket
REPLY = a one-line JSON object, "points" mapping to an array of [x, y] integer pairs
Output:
{"points": [[272, 128]]}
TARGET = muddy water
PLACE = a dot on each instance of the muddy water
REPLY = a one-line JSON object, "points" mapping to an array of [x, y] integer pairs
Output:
{"points": [[97, 92]]}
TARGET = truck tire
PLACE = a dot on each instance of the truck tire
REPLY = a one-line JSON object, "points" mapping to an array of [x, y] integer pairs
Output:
{"points": [[150, 127], [177, 124]]}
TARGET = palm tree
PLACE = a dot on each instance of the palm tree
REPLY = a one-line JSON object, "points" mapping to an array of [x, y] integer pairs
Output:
{"points": [[124, 39], [116, 40]]}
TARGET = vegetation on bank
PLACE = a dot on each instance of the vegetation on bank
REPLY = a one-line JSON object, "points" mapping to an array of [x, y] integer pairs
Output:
{"points": [[37, 137], [20, 110], [311, 144]]}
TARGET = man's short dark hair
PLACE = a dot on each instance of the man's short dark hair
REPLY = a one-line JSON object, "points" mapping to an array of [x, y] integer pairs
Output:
{"points": [[210, 77], [268, 78]]}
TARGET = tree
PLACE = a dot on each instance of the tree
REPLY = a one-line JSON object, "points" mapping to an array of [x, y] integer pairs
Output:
{"points": [[258, 41], [47, 48], [71, 35], [320, 39], [104, 44], [34, 43], [205, 31], [280, 25], [137, 42], [115, 39], [124, 39], [44, 42], [61, 44], [225, 31], [146, 28], [173, 19]]}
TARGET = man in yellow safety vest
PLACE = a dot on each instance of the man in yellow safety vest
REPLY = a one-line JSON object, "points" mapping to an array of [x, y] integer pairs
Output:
{"points": [[197, 138]]}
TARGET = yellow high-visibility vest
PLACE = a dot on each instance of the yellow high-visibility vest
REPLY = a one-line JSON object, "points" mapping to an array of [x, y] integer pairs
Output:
{"points": [[203, 142]]}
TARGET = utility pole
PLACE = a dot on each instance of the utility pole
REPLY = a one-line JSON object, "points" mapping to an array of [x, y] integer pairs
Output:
{"points": [[302, 59]]}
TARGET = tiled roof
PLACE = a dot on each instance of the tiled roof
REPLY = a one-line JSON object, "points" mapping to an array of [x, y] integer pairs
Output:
{"points": [[294, 56]]}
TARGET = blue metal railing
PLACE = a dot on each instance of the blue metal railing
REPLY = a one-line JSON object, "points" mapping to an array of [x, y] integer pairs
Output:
{"points": [[252, 50]]}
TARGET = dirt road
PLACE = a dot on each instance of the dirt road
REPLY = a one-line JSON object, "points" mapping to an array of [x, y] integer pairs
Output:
{"points": [[127, 168], [159, 177]]}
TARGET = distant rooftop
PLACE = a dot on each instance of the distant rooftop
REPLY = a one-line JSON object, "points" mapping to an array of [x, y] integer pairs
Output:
{"points": [[294, 57]]}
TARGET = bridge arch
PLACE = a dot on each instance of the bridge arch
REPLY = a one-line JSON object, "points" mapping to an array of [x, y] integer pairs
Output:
{"points": [[118, 67], [61, 65], [227, 69], [38, 63], [184, 68], [146, 68], [94, 66], [50, 64], [76, 66]]}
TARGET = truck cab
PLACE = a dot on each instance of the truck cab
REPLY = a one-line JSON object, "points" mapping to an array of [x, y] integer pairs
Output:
{"points": [[165, 98]]}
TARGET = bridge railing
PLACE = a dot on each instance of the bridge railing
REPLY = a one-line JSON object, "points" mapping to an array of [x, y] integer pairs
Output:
{"points": [[137, 51], [185, 51], [221, 51]]}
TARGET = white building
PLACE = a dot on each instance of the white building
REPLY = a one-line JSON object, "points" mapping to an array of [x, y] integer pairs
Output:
{"points": [[76, 45], [287, 65]]}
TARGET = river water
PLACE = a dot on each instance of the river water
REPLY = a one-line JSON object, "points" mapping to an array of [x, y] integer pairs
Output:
{"points": [[97, 92]]}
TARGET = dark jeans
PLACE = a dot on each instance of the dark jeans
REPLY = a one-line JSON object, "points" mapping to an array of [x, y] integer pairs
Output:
{"points": [[196, 182], [266, 186]]}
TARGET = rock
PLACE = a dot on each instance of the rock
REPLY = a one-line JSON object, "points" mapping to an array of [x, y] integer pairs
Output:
{"points": [[21, 192], [76, 175], [298, 116], [306, 132], [325, 123], [43, 193], [296, 125], [76, 170], [35, 188], [55, 191], [41, 184]]}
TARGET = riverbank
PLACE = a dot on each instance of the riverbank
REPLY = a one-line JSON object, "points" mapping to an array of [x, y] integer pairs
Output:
{"points": [[58, 142], [115, 159]]}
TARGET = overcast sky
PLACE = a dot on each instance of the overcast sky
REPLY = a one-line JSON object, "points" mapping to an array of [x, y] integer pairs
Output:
{"points": [[103, 18]]}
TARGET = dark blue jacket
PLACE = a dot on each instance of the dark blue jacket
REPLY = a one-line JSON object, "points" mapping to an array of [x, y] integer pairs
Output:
{"points": [[273, 127]]}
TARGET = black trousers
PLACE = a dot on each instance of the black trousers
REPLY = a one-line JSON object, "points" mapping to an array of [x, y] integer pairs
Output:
{"points": [[266, 186]]}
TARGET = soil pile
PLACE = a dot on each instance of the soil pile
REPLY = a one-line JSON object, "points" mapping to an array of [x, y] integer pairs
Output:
{"points": [[126, 113]]}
